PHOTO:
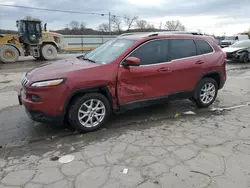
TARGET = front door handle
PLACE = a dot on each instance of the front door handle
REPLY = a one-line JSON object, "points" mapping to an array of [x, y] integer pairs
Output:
{"points": [[199, 62], [164, 69]]}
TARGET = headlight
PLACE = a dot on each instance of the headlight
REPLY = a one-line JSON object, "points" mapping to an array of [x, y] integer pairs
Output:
{"points": [[47, 83]]}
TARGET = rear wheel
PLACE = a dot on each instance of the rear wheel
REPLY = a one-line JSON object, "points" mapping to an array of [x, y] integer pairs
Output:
{"points": [[8, 54], [89, 112], [206, 92], [49, 52], [244, 57]]}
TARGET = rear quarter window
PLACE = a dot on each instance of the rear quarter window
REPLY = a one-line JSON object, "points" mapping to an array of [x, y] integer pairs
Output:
{"points": [[203, 47], [181, 48]]}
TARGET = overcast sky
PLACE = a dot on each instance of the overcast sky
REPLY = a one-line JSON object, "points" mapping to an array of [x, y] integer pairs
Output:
{"points": [[211, 16]]}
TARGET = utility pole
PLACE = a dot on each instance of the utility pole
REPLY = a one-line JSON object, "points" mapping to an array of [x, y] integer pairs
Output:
{"points": [[160, 25], [109, 24]]}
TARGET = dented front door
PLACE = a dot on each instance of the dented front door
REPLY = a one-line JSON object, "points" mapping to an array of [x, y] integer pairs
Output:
{"points": [[150, 79]]}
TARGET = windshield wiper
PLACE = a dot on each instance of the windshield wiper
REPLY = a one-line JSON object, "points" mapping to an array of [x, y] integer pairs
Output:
{"points": [[87, 59]]}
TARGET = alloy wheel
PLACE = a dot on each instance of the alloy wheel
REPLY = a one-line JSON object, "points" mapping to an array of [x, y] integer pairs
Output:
{"points": [[207, 93], [91, 113]]}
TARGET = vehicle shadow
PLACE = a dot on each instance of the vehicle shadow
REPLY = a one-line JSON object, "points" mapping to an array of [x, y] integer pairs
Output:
{"points": [[127, 121]]}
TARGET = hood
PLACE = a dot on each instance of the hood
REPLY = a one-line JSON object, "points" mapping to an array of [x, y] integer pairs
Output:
{"points": [[232, 49], [58, 69]]}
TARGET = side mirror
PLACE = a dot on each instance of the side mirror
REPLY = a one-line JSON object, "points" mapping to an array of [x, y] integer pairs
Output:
{"points": [[131, 61]]}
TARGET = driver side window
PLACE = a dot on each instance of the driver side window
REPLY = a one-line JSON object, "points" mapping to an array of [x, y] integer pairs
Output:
{"points": [[152, 52]]}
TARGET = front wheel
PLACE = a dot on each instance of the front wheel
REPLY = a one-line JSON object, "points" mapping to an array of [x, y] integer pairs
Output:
{"points": [[49, 52], [89, 112], [244, 57], [206, 92]]}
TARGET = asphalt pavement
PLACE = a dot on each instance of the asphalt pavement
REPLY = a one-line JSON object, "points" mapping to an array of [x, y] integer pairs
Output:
{"points": [[17, 129], [208, 149]]}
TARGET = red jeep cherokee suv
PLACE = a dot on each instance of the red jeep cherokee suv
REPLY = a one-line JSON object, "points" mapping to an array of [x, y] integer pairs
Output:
{"points": [[130, 71]]}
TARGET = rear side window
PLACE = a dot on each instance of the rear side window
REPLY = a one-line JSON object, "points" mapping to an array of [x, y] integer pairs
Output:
{"points": [[181, 48], [203, 47]]}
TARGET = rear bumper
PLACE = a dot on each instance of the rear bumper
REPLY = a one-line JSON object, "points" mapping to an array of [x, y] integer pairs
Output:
{"points": [[222, 83]]}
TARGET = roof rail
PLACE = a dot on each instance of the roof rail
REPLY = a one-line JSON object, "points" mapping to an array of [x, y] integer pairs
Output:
{"points": [[134, 33], [157, 33], [174, 32]]}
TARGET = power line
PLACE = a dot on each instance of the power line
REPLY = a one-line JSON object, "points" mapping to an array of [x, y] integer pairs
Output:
{"points": [[69, 11], [66, 11], [56, 10]]}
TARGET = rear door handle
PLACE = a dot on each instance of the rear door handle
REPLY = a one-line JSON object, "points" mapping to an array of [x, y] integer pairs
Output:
{"points": [[164, 69], [199, 62]]}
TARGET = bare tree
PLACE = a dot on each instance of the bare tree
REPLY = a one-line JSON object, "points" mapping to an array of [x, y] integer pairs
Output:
{"points": [[67, 28], [174, 26], [141, 24], [104, 27], [150, 26], [82, 25], [116, 23], [129, 21], [74, 25]]}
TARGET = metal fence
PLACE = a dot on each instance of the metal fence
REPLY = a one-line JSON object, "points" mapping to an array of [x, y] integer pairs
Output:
{"points": [[84, 43]]}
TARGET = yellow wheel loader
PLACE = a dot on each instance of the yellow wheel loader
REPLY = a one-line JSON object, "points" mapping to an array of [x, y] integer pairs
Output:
{"points": [[30, 41]]}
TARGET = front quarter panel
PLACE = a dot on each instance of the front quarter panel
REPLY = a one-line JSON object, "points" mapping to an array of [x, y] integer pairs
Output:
{"points": [[95, 77]]}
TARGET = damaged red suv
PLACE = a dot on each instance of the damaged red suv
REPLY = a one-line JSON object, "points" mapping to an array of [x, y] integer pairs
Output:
{"points": [[130, 71]]}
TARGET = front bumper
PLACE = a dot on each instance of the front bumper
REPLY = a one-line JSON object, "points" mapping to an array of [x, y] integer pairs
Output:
{"points": [[232, 56], [45, 118], [44, 111]]}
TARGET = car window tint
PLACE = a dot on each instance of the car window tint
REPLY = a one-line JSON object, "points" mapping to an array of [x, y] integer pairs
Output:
{"points": [[203, 47], [152, 52], [181, 48]]}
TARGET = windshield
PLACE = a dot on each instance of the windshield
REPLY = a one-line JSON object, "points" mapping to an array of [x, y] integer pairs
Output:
{"points": [[21, 27], [230, 38], [109, 51], [242, 44]]}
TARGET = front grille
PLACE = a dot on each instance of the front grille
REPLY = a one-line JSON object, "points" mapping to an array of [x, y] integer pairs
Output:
{"points": [[24, 81]]}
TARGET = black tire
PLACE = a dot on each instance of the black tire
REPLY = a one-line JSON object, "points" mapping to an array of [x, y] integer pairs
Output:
{"points": [[197, 95], [77, 104], [48, 52], [11, 50], [244, 57]]}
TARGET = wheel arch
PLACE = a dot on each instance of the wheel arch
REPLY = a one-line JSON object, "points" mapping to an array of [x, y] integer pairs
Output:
{"points": [[82, 91], [52, 43], [243, 52], [216, 75]]}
